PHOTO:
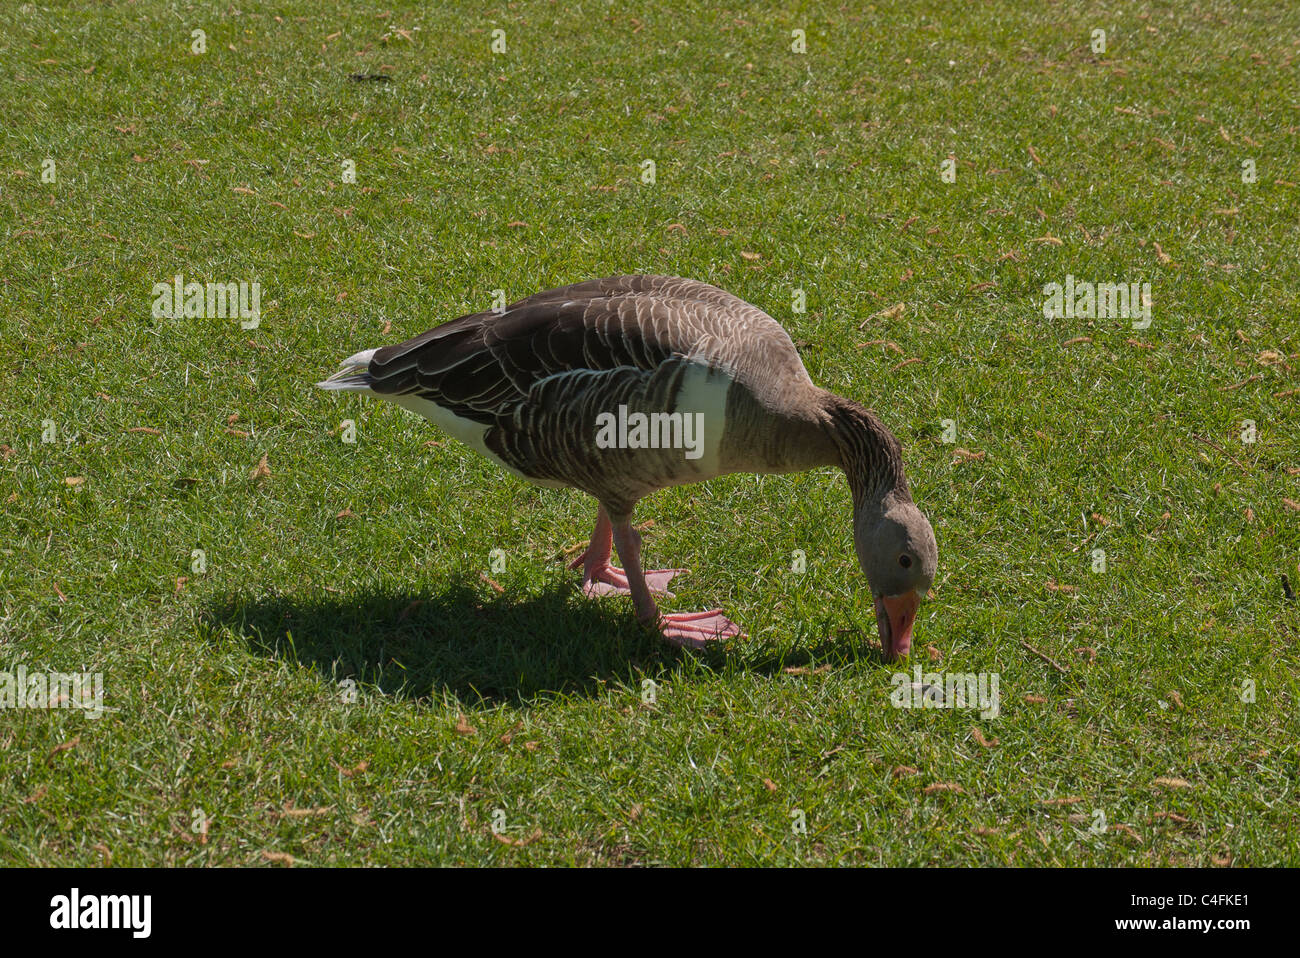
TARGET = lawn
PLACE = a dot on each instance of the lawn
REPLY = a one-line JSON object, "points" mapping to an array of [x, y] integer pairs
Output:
{"points": [[312, 650]]}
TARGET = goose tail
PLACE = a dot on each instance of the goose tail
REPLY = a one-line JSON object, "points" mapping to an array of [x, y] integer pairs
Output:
{"points": [[353, 374]]}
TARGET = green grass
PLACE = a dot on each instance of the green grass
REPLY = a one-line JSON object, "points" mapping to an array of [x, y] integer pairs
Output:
{"points": [[223, 689]]}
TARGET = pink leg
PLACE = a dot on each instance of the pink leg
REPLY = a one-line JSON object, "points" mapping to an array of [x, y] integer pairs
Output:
{"points": [[690, 630], [601, 578]]}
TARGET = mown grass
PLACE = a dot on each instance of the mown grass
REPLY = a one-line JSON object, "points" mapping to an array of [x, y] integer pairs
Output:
{"points": [[521, 171]]}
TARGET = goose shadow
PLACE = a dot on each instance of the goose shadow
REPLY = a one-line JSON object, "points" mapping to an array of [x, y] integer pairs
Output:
{"points": [[509, 648]]}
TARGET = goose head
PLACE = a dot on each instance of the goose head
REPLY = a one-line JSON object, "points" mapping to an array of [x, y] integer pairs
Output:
{"points": [[893, 538], [898, 554]]}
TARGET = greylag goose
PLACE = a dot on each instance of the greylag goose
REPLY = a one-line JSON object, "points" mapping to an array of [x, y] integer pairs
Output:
{"points": [[624, 386]]}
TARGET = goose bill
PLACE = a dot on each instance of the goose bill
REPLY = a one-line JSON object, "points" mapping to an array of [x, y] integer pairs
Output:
{"points": [[894, 617]]}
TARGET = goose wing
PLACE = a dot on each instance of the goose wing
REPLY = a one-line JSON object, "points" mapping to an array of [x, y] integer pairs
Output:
{"points": [[528, 385], [481, 366]]}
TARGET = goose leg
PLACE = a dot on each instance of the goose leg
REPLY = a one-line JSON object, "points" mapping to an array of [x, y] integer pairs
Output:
{"points": [[691, 630], [601, 578]]}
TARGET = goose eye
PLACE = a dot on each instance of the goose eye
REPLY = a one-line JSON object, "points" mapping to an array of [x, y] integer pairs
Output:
{"points": [[905, 561]]}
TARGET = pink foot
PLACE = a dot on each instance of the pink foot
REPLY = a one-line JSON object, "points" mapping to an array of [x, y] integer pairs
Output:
{"points": [[695, 630], [611, 580]]}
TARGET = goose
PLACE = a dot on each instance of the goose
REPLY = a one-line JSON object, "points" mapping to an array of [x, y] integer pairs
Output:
{"points": [[627, 385]]}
